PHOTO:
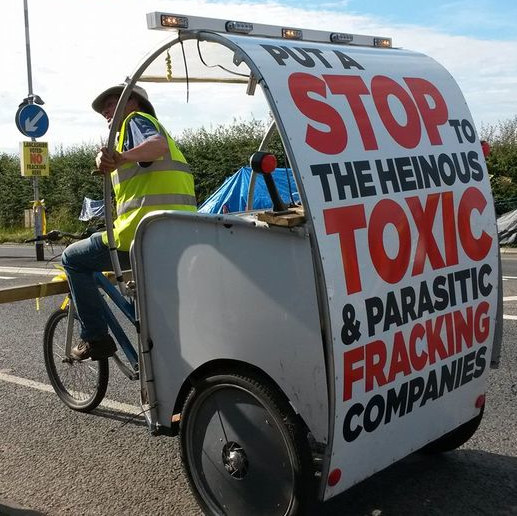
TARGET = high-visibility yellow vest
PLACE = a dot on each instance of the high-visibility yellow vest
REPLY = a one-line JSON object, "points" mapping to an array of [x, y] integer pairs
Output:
{"points": [[166, 184]]}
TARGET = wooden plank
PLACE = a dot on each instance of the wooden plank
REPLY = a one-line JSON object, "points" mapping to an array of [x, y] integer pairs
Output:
{"points": [[294, 217], [50, 288]]}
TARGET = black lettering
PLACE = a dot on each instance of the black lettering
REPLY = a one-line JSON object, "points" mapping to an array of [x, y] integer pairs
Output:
{"points": [[440, 293], [376, 406], [364, 180], [462, 173], [429, 170], [468, 367], [396, 402], [374, 313], [462, 277], [455, 124], [304, 59], [387, 175], [416, 388], [417, 171], [347, 61], [405, 174], [318, 53], [425, 304], [484, 288], [447, 170], [431, 388], [392, 312], [447, 377], [475, 165], [322, 171], [458, 373], [407, 302], [480, 362], [350, 434], [345, 180], [468, 131], [452, 288], [277, 53], [474, 281]]}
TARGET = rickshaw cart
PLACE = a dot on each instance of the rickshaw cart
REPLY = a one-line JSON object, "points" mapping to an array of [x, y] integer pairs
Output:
{"points": [[300, 355]]}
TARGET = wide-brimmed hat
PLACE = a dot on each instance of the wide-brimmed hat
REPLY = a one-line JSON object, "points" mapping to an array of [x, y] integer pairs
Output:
{"points": [[138, 92]]}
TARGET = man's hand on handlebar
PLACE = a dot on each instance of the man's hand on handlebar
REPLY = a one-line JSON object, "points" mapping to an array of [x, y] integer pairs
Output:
{"points": [[108, 161]]}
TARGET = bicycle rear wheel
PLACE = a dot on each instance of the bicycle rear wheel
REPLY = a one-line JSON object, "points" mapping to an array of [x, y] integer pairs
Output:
{"points": [[244, 450], [80, 385]]}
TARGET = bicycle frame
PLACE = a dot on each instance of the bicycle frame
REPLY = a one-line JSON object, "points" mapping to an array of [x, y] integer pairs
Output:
{"points": [[127, 308]]}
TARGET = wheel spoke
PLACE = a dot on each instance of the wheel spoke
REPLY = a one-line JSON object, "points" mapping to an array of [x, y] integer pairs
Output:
{"points": [[80, 384]]}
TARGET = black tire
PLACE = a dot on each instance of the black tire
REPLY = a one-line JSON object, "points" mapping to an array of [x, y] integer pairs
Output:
{"points": [[244, 450], [80, 385], [455, 438]]}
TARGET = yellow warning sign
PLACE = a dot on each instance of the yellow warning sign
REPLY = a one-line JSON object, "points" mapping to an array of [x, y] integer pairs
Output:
{"points": [[34, 158]]}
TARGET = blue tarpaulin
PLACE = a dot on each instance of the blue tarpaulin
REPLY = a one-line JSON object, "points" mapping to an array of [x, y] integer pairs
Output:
{"points": [[232, 195]]}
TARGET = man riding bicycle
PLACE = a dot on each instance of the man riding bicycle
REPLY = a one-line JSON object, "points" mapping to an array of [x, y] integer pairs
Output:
{"points": [[148, 172]]}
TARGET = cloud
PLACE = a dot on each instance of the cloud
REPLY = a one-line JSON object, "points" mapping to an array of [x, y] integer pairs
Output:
{"points": [[98, 43]]}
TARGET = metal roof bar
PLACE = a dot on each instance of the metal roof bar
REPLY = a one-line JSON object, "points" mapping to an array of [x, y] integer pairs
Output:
{"points": [[170, 21]]}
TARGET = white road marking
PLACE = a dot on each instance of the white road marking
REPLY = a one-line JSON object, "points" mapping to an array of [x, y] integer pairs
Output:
{"points": [[510, 298], [111, 404], [28, 270], [509, 277], [7, 277], [510, 317]]}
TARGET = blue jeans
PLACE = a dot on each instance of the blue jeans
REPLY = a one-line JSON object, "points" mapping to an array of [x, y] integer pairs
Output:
{"points": [[81, 260]]}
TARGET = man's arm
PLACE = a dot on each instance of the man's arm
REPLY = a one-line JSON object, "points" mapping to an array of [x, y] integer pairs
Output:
{"points": [[149, 150]]}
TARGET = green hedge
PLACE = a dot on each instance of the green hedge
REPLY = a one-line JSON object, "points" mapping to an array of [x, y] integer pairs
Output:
{"points": [[213, 154]]}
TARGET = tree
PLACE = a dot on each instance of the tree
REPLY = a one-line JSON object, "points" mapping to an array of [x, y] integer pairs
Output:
{"points": [[71, 180], [502, 162], [16, 193]]}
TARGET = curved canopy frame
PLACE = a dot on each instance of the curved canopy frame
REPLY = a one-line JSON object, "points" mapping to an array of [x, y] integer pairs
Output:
{"points": [[240, 56]]}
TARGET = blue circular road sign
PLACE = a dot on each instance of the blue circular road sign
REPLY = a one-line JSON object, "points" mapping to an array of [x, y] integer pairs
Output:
{"points": [[31, 120]]}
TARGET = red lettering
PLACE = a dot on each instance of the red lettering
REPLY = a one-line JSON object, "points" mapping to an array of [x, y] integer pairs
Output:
{"points": [[353, 87], [463, 330], [407, 135], [481, 324], [386, 212], [328, 142], [475, 248], [418, 361], [432, 116], [375, 362], [426, 245], [352, 374], [435, 343], [345, 221], [449, 329], [36, 158], [399, 358], [449, 229]]}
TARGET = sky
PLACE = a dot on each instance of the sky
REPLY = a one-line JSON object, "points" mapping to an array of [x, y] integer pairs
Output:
{"points": [[80, 47]]}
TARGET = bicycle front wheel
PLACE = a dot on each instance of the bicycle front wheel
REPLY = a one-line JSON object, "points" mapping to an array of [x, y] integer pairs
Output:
{"points": [[80, 385]]}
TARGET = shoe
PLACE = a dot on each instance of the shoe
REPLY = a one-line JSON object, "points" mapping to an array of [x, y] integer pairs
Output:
{"points": [[94, 349]]}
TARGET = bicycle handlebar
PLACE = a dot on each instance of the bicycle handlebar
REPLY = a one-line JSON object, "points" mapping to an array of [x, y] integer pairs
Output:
{"points": [[56, 234]]}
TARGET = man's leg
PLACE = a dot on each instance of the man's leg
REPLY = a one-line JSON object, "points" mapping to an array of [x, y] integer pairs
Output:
{"points": [[80, 261]]}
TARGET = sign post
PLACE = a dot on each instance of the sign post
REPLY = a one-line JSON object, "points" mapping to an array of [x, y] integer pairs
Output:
{"points": [[32, 121]]}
